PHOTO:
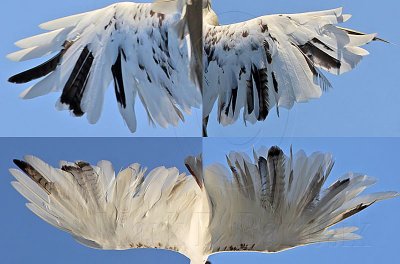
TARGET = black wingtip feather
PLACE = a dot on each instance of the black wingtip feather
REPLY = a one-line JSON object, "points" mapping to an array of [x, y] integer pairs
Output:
{"points": [[274, 152], [20, 164], [38, 71], [41, 70]]}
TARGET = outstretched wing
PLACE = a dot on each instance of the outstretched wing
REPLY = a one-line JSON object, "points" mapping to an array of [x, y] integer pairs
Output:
{"points": [[135, 209], [127, 43], [276, 202], [275, 61]]}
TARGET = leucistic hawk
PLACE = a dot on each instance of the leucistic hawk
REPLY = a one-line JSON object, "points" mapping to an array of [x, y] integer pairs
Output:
{"points": [[273, 61], [272, 203], [145, 53]]}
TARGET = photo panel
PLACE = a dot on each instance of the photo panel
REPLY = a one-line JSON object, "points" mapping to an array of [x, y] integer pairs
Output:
{"points": [[258, 59], [376, 225], [121, 68], [47, 243]]}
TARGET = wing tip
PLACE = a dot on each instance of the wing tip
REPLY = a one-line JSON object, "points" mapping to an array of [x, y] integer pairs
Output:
{"points": [[20, 163], [13, 56]]}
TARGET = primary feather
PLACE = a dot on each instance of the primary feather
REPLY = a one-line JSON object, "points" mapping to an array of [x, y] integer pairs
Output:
{"points": [[274, 61], [127, 43], [272, 203]]}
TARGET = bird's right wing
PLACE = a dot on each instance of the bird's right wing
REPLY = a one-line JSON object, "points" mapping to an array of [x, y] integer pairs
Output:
{"points": [[275, 60], [276, 202], [159, 209], [127, 43]]}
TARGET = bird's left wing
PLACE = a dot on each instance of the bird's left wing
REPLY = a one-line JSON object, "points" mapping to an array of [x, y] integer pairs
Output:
{"points": [[127, 43], [161, 208], [275, 61], [277, 202]]}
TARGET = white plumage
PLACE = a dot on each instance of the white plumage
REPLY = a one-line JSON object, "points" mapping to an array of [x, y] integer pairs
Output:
{"points": [[272, 203], [126, 42], [133, 209], [276, 202], [274, 61]]}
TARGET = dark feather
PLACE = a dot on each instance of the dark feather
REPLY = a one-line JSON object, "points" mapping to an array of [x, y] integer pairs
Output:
{"points": [[313, 50], [353, 211], [35, 175], [332, 192], [232, 101], [250, 95], [205, 124], [41, 70], [265, 182], [116, 70], [195, 167], [260, 77], [318, 75], [75, 87], [276, 169]]}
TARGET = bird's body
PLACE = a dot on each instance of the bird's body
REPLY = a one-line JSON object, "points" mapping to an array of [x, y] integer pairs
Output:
{"points": [[273, 61], [127, 43], [272, 203]]}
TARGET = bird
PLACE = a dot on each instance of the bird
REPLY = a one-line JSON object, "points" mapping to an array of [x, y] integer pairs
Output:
{"points": [[143, 52], [272, 61], [272, 203]]}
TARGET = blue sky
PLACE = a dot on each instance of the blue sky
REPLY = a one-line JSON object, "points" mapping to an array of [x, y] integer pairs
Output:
{"points": [[363, 102], [38, 117]]}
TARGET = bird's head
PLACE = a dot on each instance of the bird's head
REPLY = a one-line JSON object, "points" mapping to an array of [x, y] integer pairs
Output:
{"points": [[209, 16]]}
